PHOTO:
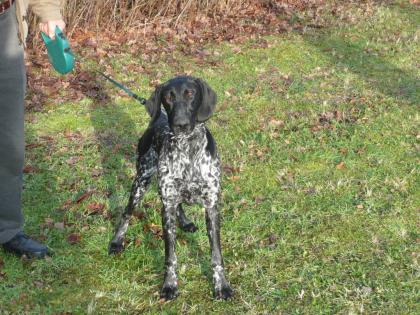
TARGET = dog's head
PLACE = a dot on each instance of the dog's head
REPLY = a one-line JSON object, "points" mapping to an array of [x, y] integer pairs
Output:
{"points": [[186, 100]]}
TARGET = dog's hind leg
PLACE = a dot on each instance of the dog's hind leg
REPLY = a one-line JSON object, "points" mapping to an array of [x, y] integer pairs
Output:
{"points": [[170, 285], [222, 289], [184, 223], [146, 169]]}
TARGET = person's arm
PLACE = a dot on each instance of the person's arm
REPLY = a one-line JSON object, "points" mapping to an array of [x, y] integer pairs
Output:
{"points": [[49, 14]]}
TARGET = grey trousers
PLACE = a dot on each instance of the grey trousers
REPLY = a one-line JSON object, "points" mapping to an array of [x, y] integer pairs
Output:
{"points": [[12, 144]]}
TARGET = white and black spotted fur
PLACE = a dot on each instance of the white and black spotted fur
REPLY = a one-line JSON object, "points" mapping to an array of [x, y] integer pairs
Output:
{"points": [[178, 146]]}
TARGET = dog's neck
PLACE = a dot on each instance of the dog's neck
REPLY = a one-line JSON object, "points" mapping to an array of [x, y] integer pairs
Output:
{"points": [[192, 141], [198, 132]]}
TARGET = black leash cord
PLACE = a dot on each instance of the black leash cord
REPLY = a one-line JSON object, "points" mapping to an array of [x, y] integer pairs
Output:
{"points": [[142, 100]]}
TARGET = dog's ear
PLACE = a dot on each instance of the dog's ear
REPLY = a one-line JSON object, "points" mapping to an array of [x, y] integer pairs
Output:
{"points": [[153, 103], [208, 101]]}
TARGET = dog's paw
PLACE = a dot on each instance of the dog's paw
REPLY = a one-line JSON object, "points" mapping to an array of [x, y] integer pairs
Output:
{"points": [[190, 227], [115, 248], [224, 293], [169, 292]]}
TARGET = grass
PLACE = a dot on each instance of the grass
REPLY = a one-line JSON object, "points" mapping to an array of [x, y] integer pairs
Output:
{"points": [[319, 135]]}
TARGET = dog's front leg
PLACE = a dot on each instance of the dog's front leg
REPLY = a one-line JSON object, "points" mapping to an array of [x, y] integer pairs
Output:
{"points": [[145, 170], [170, 284], [138, 189], [222, 289]]}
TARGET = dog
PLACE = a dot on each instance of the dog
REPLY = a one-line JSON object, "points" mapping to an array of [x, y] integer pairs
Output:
{"points": [[179, 147]]}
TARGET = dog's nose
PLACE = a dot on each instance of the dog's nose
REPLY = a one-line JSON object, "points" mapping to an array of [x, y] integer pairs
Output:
{"points": [[181, 128], [181, 125], [181, 122]]}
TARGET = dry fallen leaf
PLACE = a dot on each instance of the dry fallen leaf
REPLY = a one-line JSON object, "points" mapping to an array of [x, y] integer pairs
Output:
{"points": [[96, 173], [74, 238], [229, 169], [154, 228], [49, 222], [340, 166], [84, 196], [276, 123], [29, 169], [95, 207], [59, 225], [73, 160], [137, 242]]}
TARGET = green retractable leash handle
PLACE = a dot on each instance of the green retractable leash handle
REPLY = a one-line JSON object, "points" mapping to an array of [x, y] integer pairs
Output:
{"points": [[62, 59], [59, 51]]}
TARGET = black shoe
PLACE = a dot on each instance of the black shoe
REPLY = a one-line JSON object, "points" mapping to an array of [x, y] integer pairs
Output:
{"points": [[21, 244]]}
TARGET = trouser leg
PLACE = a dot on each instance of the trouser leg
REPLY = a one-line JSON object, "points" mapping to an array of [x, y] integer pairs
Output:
{"points": [[12, 91]]}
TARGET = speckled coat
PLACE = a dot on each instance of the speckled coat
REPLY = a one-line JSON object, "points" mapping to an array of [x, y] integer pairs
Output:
{"points": [[188, 168]]}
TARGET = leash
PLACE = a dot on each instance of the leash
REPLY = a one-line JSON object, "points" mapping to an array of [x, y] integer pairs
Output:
{"points": [[62, 59], [142, 100]]}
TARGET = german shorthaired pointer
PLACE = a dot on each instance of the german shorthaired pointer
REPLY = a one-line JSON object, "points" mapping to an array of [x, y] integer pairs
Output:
{"points": [[181, 149]]}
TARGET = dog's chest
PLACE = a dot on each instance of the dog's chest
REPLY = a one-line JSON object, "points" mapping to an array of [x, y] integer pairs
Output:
{"points": [[187, 171]]}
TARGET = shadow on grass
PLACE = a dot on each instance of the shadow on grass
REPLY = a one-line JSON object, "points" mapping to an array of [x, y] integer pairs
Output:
{"points": [[116, 135], [203, 258], [379, 74], [41, 195]]}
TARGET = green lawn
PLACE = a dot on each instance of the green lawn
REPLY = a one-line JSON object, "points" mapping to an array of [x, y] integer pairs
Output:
{"points": [[319, 135]]}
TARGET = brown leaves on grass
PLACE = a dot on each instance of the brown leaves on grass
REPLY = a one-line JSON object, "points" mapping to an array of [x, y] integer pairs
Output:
{"points": [[95, 208], [74, 238], [49, 223], [155, 229], [92, 208], [286, 179], [340, 166], [38, 283], [275, 123], [59, 226], [270, 241], [46, 90], [73, 160], [230, 170], [85, 195], [154, 42], [327, 120], [29, 169], [277, 81], [31, 146]]}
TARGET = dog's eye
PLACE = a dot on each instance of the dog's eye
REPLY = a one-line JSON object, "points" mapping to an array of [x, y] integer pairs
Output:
{"points": [[188, 93], [170, 97]]}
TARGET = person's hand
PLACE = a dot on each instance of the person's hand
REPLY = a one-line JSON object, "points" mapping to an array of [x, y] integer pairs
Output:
{"points": [[49, 27]]}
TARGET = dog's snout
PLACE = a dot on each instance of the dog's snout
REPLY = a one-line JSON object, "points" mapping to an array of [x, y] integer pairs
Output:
{"points": [[181, 119], [181, 128], [181, 122]]}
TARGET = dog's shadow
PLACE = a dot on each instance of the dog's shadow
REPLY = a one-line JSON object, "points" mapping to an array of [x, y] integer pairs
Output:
{"points": [[116, 134], [203, 258], [188, 242]]}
